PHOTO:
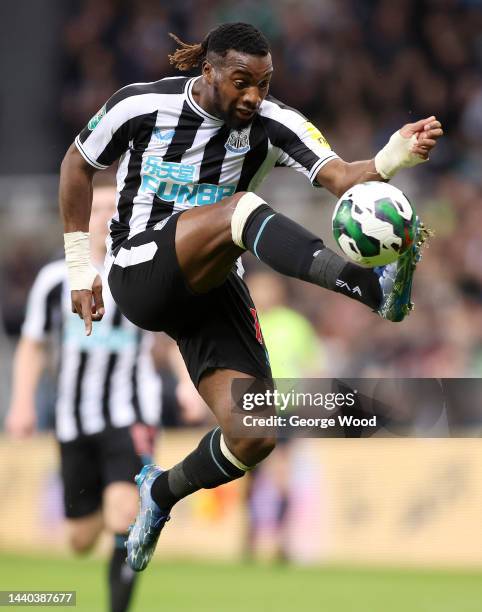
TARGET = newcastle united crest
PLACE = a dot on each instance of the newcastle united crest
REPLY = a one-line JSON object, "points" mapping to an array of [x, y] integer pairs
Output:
{"points": [[238, 141]]}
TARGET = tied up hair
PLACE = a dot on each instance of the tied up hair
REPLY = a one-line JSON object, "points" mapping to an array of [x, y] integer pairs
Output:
{"points": [[241, 37], [188, 56]]}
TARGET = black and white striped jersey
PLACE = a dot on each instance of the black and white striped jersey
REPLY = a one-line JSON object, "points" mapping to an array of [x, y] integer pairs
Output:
{"points": [[107, 379], [174, 155]]}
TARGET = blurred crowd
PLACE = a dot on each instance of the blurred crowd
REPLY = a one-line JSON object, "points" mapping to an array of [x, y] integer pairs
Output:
{"points": [[358, 70]]}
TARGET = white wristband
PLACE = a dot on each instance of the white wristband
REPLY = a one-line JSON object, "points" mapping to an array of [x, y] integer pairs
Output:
{"points": [[396, 154], [80, 271]]}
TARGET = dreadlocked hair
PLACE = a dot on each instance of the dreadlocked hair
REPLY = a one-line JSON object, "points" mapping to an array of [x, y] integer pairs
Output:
{"points": [[187, 56], [241, 37]]}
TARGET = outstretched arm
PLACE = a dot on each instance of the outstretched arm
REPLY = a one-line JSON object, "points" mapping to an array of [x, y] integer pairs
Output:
{"points": [[75, 197], [408, 147]]}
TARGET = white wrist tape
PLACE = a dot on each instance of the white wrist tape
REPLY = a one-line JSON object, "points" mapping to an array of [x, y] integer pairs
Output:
{"points": [[397, 154], [80, 271], [245, 206]]}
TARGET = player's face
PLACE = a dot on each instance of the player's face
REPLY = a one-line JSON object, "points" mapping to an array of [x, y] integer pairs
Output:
{"points": [[239, 82]]}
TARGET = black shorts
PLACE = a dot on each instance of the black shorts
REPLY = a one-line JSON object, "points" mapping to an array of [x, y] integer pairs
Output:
{"points": [[218, 329], [90, 463]]}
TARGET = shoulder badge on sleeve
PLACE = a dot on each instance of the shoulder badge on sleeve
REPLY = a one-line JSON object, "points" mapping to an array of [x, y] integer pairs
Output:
{"points": [[315, 133], [96, 118]]}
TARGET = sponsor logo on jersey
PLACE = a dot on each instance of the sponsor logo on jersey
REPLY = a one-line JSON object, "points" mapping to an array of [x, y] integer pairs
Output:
{"points": [[155, 169], [346, 287], [201, 194], [96, 119], [316, 135], [238, 141], [112, 339], [163, 135], [174, 182]]}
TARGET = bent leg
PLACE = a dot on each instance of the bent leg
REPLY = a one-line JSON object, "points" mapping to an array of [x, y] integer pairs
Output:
{"points": [[82, 485], [223, 455], [83, 532], [120, 506], [210, 238], [216, 390], [204, 246]]}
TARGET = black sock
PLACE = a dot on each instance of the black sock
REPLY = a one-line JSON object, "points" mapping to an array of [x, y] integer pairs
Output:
{"points": [[290, 249], [121, 577], [281, 243], [205, 468], [360, 284]]}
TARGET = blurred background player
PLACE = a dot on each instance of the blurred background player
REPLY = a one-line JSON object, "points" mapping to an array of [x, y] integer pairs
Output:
{"points": [[107, 406], [295, 352]]}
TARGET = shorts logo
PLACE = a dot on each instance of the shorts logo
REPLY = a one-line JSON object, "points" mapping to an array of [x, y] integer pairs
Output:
{"points": [[96, 119], [161, 135], [238, 141], [257, 326]]}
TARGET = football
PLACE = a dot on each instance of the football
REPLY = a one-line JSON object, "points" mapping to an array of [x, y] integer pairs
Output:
{"points": [[373, 223]]}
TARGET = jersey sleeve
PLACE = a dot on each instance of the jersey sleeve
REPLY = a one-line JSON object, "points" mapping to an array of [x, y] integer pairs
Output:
{"points": [[301, 145], [43, 301], [107, 135]]}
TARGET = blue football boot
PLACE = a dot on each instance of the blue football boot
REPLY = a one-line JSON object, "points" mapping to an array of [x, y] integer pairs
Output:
{"points": [[396, 278], [144, 533]]}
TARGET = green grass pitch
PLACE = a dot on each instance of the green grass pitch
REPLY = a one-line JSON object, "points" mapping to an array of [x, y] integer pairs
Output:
{"points": [[215, 587]]}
